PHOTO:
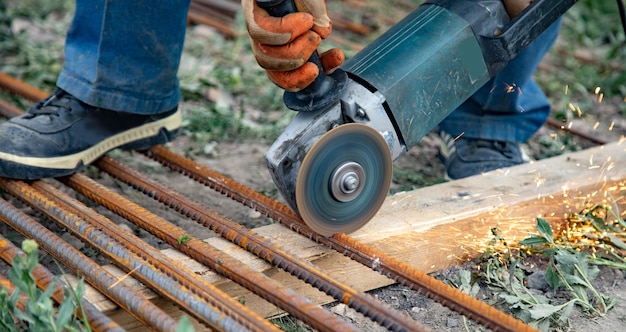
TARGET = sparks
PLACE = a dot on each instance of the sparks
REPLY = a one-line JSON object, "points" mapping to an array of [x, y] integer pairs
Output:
{"points": [[512, 88], [539, 180], [571, 107]]}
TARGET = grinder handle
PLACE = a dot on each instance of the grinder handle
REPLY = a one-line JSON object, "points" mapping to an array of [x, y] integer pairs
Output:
{"points": [[325, 89]]}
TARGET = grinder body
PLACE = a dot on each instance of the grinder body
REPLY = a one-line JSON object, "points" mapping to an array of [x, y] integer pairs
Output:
{"points": [[402, 85], [425, 67]]}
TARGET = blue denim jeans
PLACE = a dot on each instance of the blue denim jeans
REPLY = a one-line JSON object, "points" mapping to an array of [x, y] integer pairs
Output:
{"points": [[124, 54], [511, 106]]}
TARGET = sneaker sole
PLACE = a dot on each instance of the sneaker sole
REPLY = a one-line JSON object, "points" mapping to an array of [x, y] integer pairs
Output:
{"points": [[139, 138]]}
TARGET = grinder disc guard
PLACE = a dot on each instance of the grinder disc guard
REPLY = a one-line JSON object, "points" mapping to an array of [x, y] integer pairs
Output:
{"points": [[343, 179], [357, 168]]}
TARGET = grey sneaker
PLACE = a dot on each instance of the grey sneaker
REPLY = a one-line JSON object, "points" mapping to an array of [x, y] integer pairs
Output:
{"points": [[465, 157], [60, 135]]}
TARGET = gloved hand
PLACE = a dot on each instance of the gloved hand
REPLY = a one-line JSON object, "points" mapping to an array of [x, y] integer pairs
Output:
{"points": [[282, 45]]}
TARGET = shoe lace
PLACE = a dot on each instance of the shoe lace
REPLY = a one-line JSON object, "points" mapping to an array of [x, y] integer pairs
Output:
{"points": [[51, 106]]}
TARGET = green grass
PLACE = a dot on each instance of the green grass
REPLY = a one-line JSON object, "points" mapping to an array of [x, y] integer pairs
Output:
{"points": [[590, 53], [34, 60]]}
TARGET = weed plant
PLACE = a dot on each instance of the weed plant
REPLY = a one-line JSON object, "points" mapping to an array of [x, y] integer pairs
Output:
{"points": [[31, 309], [594, 237]]}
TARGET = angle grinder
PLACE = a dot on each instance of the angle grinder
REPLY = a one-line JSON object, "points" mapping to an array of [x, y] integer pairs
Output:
{"points": [[333, 162]]}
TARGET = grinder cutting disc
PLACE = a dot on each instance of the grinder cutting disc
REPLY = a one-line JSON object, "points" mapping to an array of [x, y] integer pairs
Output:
{"points": [[343, 179]]}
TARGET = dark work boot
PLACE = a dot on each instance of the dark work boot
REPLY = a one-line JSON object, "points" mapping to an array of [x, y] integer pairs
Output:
{"points": [[60, 135], [464, 156]]}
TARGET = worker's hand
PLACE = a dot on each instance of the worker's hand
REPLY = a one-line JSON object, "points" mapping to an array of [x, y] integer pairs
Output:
{"points": [[282, 45]]}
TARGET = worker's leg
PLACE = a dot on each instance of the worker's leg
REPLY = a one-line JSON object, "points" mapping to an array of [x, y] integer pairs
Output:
{"points": [[124, 55], [118, 88], [506, 111]]}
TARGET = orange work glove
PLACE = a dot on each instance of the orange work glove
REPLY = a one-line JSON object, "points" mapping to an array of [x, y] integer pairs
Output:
{"points": [[282, 45]]}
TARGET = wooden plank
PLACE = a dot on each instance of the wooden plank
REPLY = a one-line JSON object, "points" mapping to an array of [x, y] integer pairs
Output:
{"points": [[435, 227]]}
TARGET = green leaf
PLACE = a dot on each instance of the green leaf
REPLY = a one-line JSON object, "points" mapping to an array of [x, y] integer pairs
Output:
{"points": [[566, 312], [616, 241], [544, 310], [574, 280], [566, 258], [184, 325], [581, 292], [609, 300], [510, 299], [524, 316], [534, 241], [545, 230], [66, 312], [552, 277], [543, 325]]}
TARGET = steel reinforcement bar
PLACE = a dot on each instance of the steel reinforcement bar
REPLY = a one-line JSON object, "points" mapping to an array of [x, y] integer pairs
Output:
{"points": [[44, 279], [165, 276], [256, 282], [350, 247], [364, 303], [134, 302]]}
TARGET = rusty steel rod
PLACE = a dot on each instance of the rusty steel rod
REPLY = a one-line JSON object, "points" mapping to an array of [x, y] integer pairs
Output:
{"points": [[374, 259], [199, 18], [150, 266], [21, 88], [224, 7], [134, 302], [10, 287], [8, 110], [364, 303], [559, 125], [257, 282], [227, 313], [44, 278]]}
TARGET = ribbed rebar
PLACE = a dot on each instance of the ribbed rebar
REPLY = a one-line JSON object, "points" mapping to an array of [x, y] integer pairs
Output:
{"points": [[9, 110], [134, 302], [350, 247], [364, 303], [21, 88], [258, 283], [165, 276], [6, 284], [45, 279]]}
